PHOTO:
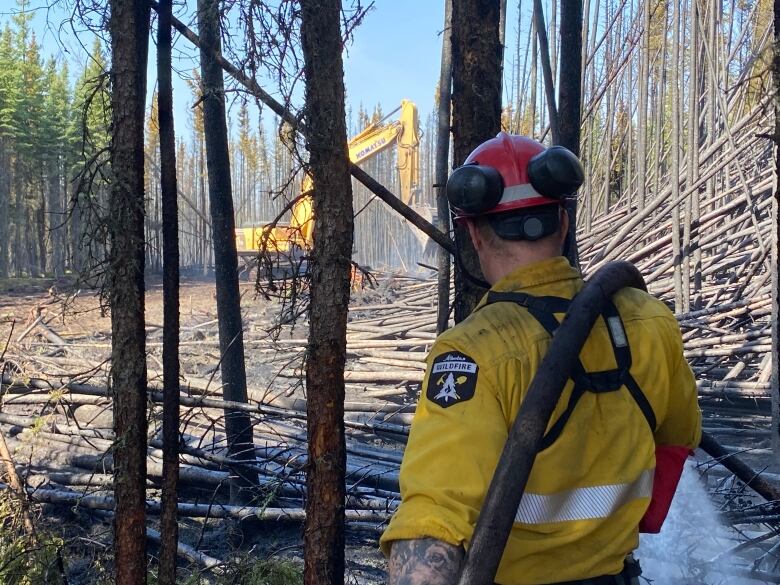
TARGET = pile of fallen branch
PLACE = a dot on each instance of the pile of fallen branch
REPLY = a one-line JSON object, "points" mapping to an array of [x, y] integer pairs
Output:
{"points": [[59, 424]]}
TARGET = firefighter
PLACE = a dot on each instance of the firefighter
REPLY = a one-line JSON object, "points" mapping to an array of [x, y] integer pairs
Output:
{"points": [[632, 394]]}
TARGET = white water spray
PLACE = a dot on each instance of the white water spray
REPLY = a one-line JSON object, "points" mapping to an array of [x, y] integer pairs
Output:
{"points": [[691, 534]]}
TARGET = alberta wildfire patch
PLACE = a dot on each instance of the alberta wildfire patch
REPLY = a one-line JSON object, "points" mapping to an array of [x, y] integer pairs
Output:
{"points": [[452, 380]]}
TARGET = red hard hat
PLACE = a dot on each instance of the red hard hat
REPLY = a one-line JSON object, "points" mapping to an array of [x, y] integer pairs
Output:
{"points": [[509, 155], [511, 172]]}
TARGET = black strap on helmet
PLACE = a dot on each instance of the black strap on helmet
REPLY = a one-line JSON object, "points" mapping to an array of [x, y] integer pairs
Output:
{"points": [[529, 224]]}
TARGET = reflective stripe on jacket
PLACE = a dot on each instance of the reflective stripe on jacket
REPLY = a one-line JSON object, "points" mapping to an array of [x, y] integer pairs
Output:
{"points": [[588, 491]]}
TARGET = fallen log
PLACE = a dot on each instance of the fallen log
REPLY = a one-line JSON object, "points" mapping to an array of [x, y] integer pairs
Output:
{"points": [[29, 329], [739, 468], [191, 554], [212, 510], [397, 376], [416, 357], [51, 335]]}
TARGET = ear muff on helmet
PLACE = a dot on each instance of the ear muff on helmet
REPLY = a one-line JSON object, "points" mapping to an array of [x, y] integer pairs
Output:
{"points": [[474, 189], [529, 225], [556, 172]]}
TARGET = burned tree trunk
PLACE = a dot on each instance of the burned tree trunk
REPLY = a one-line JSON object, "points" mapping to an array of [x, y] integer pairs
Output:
{"points": [[476, 113], [238, 426], [691, 269], [129, 25], [442, 167], [330, 277], [169, 526], [642, 117], [547, 70], [570, 100], [675, 152], [570, 77]]}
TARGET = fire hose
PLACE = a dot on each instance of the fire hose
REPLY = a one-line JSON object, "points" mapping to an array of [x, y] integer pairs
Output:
{"points": [[525, 436]]}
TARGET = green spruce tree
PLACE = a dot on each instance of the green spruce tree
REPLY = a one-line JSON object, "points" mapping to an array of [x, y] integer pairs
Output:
{"points": [[90, 134], [9, 98]]}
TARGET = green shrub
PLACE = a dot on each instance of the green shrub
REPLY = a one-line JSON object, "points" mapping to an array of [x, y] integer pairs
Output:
{"points": [[252, 571], [25, 559]]}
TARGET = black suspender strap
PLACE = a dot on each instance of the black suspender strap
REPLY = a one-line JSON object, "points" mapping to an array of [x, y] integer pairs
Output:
{"points": [[617, 334], [543, 309], [557, 428], [641, 401], [546, 304]]}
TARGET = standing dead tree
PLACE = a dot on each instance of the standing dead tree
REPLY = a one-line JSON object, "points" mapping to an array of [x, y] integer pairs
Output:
{"points": [[129, 26], [691, 275], [238, 426], [570, 99], [330, 279], [442, 165], [675, 156], [476, 112], [547, 71], [169, 526]]}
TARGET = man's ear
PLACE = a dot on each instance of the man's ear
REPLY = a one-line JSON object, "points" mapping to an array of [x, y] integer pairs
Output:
{"points": [[474, 233]]}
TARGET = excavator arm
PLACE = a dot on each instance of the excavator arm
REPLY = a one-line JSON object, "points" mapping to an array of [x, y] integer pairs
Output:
{"points": [[402, 132]]}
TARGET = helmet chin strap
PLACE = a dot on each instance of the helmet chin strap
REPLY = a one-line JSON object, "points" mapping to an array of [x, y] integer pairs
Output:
{"points": [[567, 241], [566, 245]]}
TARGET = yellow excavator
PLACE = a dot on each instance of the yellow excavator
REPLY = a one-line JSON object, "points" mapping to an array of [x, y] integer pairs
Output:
{"points": [[286, 241]]}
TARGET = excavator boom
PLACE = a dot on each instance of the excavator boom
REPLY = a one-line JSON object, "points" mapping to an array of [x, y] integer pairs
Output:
{"points": [[402, 132]]}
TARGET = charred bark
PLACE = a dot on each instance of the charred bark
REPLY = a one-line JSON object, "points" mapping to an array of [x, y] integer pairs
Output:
{"points": [[476, 113], [169, 526], [642, 116], [442, 167], [547, 70], [238, 426], [129, 26], [330, 277], [570, 100], [677, 250]]}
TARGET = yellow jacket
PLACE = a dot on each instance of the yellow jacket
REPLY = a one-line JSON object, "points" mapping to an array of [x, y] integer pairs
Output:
{"points": [[587, 492]]}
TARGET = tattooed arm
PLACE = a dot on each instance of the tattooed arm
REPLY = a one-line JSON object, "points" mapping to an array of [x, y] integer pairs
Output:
{"points": [[424, 561]]}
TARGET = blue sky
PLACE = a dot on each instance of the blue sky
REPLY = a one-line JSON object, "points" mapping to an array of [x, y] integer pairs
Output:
{"points": [[395, 53]]}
